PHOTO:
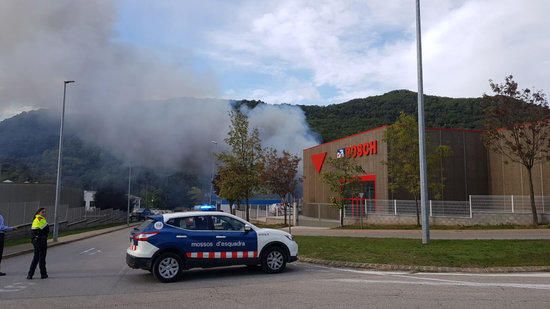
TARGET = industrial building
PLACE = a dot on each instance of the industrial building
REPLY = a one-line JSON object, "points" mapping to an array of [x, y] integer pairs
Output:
{"points": [[471, 170]]}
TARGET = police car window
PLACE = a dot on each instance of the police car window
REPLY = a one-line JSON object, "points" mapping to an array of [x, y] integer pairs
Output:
{"points": [[191, 223], [223, 223]]}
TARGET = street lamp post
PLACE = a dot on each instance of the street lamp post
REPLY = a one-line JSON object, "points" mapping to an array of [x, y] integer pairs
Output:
{"points": [[59, 158], [421, 131], [129, 188], [212, 173]]}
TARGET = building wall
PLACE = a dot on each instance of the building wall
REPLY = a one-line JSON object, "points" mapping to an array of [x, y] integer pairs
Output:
{"points": [[315, 191], [510, 178], [471, 170], [465, 172]]}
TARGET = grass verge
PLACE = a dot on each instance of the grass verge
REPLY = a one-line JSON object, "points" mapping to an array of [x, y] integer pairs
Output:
{"points": [[26, 239], [441, 227], [447, 253]]}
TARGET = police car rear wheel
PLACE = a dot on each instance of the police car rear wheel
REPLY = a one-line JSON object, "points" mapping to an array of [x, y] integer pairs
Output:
{"points": [[168, 267], [274, 260]]}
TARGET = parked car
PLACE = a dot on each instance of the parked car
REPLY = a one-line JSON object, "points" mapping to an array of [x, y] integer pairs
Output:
{"points": [[140, 215]]}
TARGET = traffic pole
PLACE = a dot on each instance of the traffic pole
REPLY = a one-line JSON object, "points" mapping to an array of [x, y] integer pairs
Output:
{"points": [[421, 134], [59, 160]]}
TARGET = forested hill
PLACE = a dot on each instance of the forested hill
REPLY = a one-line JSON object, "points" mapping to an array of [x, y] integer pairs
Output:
{"points": [[339, 120], [28, 153]]}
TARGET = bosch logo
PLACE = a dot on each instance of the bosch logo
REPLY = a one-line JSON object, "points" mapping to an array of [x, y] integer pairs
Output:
{"points": [[365, 149]]}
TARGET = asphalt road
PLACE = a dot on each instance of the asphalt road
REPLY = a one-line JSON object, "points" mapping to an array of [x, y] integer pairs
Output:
{"points": [[93, 273]]}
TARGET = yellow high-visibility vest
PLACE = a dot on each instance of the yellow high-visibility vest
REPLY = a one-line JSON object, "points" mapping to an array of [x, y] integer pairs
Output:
{"points": [[39, 222]]}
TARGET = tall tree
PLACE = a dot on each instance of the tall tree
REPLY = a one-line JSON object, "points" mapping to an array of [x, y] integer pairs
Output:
{"points": [[518, 127], [245, 159], [196, 195], [403, 163], [228, 188], [279, 174], [343, 180]]}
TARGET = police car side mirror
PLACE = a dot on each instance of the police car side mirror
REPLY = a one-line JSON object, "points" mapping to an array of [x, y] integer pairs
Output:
{"points": [[247, 228]]}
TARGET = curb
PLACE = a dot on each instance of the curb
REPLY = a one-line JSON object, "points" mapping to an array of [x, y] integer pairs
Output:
{"points": [[59, 243], [433, 269]]}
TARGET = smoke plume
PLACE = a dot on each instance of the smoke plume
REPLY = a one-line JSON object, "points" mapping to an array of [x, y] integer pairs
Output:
{"points": [[126, 99]]}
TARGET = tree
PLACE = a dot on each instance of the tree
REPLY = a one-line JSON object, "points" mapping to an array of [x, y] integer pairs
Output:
{"points": [[227, 188], [196, 195], [403, 162], [518, 127], [279, 174], [343, 180], [151, 196], [243, 165]]}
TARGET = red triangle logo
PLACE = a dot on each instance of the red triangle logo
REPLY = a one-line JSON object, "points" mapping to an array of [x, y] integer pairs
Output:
{"points": [[318, 160]]}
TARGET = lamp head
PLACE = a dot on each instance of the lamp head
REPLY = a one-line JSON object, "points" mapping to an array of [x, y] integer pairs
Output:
{"points": [[69, 81]]}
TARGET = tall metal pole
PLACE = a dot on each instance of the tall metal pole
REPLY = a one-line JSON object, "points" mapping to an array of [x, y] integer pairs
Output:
{"points": [[129, 190], [59, 157], [421, 133], [212, 173]]}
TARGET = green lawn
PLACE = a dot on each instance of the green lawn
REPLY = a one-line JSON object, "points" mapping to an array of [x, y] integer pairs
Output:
{"points": [[451, 253], [24, 240]]}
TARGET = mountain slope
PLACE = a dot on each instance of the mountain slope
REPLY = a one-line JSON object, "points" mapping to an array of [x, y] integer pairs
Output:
{"points": [[339, 120]]}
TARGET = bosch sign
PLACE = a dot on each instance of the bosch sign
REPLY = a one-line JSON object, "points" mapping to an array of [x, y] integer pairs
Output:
{"points": [[365, 149]]}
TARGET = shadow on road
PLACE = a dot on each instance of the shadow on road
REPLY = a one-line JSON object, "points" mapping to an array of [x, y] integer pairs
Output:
{"points": [[219, 273]]}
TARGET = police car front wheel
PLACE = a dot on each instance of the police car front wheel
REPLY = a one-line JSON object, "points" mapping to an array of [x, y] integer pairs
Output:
{"points": [[274, 260], [167, 267]]}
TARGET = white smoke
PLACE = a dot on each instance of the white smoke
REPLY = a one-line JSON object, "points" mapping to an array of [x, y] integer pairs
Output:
{"points": [[282, 127], [125, 99]]}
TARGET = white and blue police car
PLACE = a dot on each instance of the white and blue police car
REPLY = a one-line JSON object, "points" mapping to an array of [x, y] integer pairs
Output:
{"points": [[170, 243]]}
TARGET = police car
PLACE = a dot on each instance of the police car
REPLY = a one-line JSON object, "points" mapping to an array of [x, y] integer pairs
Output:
{"points": [[170, 243]]}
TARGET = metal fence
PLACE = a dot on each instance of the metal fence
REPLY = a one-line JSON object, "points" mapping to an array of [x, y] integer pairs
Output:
{"points": [[508, 203], [487, 204], [16, 214], [265, 212]]}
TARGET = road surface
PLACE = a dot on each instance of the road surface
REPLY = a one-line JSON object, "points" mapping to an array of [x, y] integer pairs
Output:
{"points": [[93, 273]]}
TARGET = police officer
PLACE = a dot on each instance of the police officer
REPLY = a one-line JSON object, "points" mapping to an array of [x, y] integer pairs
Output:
{"points": [[3, 229], [39, 231]]}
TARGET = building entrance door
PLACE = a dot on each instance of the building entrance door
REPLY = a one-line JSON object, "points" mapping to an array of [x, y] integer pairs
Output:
{"points": [[365, 203]]}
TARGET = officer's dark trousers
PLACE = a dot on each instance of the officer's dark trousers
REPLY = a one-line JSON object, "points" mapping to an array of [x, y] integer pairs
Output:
{"points": [[40, 245]]}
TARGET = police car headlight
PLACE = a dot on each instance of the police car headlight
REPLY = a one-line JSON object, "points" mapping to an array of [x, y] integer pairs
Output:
{"points": [[289, 237]]}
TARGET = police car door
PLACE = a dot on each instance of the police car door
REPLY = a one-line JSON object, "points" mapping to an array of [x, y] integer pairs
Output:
{"points": [[198, 242], [233, 245]]}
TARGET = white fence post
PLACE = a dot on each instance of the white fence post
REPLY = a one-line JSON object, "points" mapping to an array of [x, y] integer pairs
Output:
{"points": [[512, 204], [470, 198], [395, 207], [431, 214]]}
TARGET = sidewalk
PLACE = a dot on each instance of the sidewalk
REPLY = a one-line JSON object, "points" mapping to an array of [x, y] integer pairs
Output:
{"points": [[27, 248], [417, 234]]}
